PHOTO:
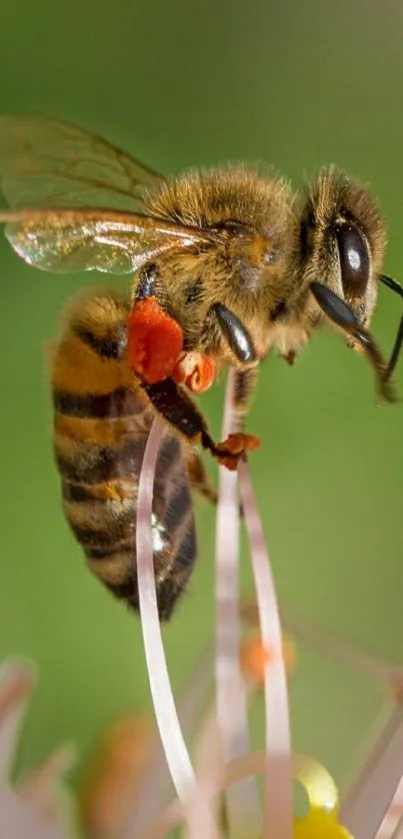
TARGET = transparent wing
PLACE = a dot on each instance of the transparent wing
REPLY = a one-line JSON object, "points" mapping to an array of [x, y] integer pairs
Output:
{"points": [[46, 162], [64, 241]]}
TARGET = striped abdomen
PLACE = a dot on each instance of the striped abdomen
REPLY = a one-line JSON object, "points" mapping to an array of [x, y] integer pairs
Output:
{"points": [[100, 430]]}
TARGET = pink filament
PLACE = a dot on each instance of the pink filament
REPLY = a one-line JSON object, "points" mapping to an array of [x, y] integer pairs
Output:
{"points": [[243, 806], [236, 771], [393, 816], [196, 810], [369, 797], [278, 822], [208, 760], [156, 786]]}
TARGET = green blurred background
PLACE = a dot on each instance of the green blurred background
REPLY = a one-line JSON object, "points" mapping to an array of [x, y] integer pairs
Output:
{"points": [[178, 84]]}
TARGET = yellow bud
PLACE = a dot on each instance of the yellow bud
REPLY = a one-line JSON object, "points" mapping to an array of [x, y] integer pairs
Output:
{"points": [[320, 824]]}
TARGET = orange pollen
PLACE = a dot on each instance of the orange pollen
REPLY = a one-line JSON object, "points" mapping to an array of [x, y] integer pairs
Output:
{"points": [[195, 370], [154, 341], [255, 656]]}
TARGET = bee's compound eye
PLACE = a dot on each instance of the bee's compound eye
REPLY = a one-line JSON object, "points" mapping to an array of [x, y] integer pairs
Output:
{"points": [[354, 260]]}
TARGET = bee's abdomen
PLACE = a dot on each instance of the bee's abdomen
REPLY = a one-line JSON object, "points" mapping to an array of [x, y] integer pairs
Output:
{"points": [[101, 426]]}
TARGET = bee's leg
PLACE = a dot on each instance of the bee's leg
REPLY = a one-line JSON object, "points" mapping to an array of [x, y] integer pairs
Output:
{"points": [[173, 404], [155, 339], [233, 332], [154, 350], [244, 386], [198, 477]]}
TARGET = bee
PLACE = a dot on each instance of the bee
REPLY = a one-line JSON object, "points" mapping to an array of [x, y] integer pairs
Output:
{"points": [[225, 265]]}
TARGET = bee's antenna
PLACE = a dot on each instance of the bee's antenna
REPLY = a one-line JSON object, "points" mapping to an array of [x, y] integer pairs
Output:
{"points": [[394, 286], [337, 310]]}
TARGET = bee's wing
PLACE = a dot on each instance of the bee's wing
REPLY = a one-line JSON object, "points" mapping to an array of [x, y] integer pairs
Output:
{"points": [[48, 163], [63, 241]]}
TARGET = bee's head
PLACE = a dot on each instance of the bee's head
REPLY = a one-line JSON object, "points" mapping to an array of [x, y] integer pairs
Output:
{"points": [[342, 241], [341, 246]]}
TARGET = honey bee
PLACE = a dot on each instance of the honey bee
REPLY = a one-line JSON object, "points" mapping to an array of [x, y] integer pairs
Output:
{"points": [[225, 265]]}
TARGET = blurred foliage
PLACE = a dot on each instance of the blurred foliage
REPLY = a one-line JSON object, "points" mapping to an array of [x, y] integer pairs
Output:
{"points": [[182, 84]]}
